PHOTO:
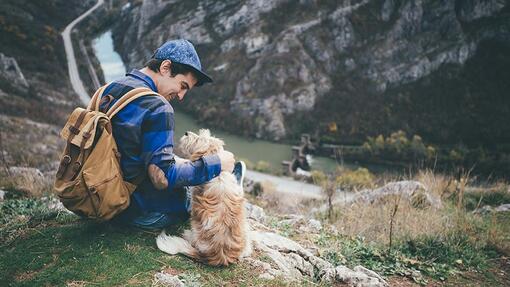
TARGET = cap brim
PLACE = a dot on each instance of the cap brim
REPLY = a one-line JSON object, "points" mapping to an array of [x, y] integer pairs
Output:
{"points": [[202, 78]]}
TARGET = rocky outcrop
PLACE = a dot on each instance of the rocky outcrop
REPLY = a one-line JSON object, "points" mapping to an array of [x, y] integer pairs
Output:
{"points": [[254, 212], [276, 256], [10, 72], [413, 191], [470, 10], [289, 260], [487, 209], [277, 60]]}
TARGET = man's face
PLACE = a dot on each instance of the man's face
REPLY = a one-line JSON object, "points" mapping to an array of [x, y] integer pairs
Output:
{"points": [[174, 87]]}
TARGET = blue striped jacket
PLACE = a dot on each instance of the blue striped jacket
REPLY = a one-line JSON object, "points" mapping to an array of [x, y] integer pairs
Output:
{"points": [[144, 131]]}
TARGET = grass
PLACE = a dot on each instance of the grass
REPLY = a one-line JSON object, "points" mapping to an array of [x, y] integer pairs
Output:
{"points": [[424, 258], [492, 196], [428, 244], [46, 247]]}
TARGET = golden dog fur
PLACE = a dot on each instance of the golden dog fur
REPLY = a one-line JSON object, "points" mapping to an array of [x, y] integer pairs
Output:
{"points": [[219, 229]]}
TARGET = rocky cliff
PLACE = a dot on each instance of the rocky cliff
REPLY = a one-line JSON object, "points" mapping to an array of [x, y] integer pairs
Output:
{"points": [[436, 68]]}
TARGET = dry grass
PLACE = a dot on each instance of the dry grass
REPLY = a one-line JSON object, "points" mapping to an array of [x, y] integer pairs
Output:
{"points": [[27, 181], [372, 221], [438, 184]]}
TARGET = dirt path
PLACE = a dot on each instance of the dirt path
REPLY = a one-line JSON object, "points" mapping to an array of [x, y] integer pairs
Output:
{"points": [[71, 60], [293, 187]]}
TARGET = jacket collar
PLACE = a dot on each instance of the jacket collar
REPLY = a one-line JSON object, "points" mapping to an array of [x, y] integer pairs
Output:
{"points": [[141, 76]]}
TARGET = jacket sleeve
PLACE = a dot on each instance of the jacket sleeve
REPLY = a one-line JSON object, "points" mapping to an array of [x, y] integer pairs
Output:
{"points": [[157, 148]]}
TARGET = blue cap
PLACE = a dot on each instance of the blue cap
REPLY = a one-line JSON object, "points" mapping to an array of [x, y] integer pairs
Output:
{"points": [[182, 51]]}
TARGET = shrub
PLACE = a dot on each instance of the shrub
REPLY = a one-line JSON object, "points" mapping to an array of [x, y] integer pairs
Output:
{"points": [[398, 147], [318, 177], [355, 179], [262, 166]]}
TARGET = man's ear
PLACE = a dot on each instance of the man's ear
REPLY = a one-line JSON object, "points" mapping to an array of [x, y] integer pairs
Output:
{"points": [[166, 67]]}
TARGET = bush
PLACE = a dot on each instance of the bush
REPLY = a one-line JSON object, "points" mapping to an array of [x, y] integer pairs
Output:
{"points": [[262, 166], [355, 179], [318, 177]]}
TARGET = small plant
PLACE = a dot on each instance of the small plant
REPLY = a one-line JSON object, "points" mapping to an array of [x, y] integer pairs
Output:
{"points": [[355, 179], [262, 166], [328, 186], [392, 220]]}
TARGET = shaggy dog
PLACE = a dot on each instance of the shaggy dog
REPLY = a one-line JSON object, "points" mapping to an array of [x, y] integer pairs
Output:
{"points": [[218, 234]]}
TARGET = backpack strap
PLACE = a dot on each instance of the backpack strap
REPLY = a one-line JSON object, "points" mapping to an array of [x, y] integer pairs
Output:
{"points": [[94, 101], [66, 159], [128, 98]]}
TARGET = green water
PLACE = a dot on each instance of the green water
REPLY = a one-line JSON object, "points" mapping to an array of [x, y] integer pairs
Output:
{"points": [[252, 150]]}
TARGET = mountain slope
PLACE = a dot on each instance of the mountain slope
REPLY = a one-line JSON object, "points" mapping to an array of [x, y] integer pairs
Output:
{"points": [[285, 67]]}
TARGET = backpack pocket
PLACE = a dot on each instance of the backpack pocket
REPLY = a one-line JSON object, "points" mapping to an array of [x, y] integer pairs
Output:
{"points": [[108, 191], [77, 197]]}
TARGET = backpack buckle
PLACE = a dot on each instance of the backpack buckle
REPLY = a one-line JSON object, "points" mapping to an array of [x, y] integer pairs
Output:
{"points": [[74, 130], [66, 160], [76, 166]]}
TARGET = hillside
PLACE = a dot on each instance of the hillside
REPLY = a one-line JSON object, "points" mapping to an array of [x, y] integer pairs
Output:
{"points": [[35, 92]]}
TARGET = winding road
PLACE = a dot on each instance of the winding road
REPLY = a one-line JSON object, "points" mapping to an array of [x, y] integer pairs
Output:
{"points": [[72, 66]]}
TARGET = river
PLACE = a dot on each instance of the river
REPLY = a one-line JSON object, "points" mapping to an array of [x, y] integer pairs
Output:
{"points": [[252, 150]]}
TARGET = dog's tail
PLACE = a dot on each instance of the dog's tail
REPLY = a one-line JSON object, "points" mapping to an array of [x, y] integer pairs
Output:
{"points": [[174, 245]]}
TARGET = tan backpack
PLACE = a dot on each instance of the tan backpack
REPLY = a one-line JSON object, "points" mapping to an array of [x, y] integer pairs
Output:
{"points": [[89, 179]]}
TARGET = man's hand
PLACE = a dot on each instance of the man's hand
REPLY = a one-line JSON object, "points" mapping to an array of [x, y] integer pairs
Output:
{"points": [[157, 177], [227, 160]]}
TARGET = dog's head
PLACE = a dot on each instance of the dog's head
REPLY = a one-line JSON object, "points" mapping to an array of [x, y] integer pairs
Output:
{"points": [[193, 146]]}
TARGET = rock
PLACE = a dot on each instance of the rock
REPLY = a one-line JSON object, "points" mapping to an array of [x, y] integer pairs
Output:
{"points": [[299, 222], [489, 209], [387, 10], [165, 279], [29, 180], [254, 212], [470, 10], [293, 262], [252, 187], [314, 225], [502, 208], [2, 195], [413, 191], [55, 204], [10, 71], [360, 276]]}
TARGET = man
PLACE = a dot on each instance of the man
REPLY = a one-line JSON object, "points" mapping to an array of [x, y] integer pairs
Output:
{"points": [[144, 129]]}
